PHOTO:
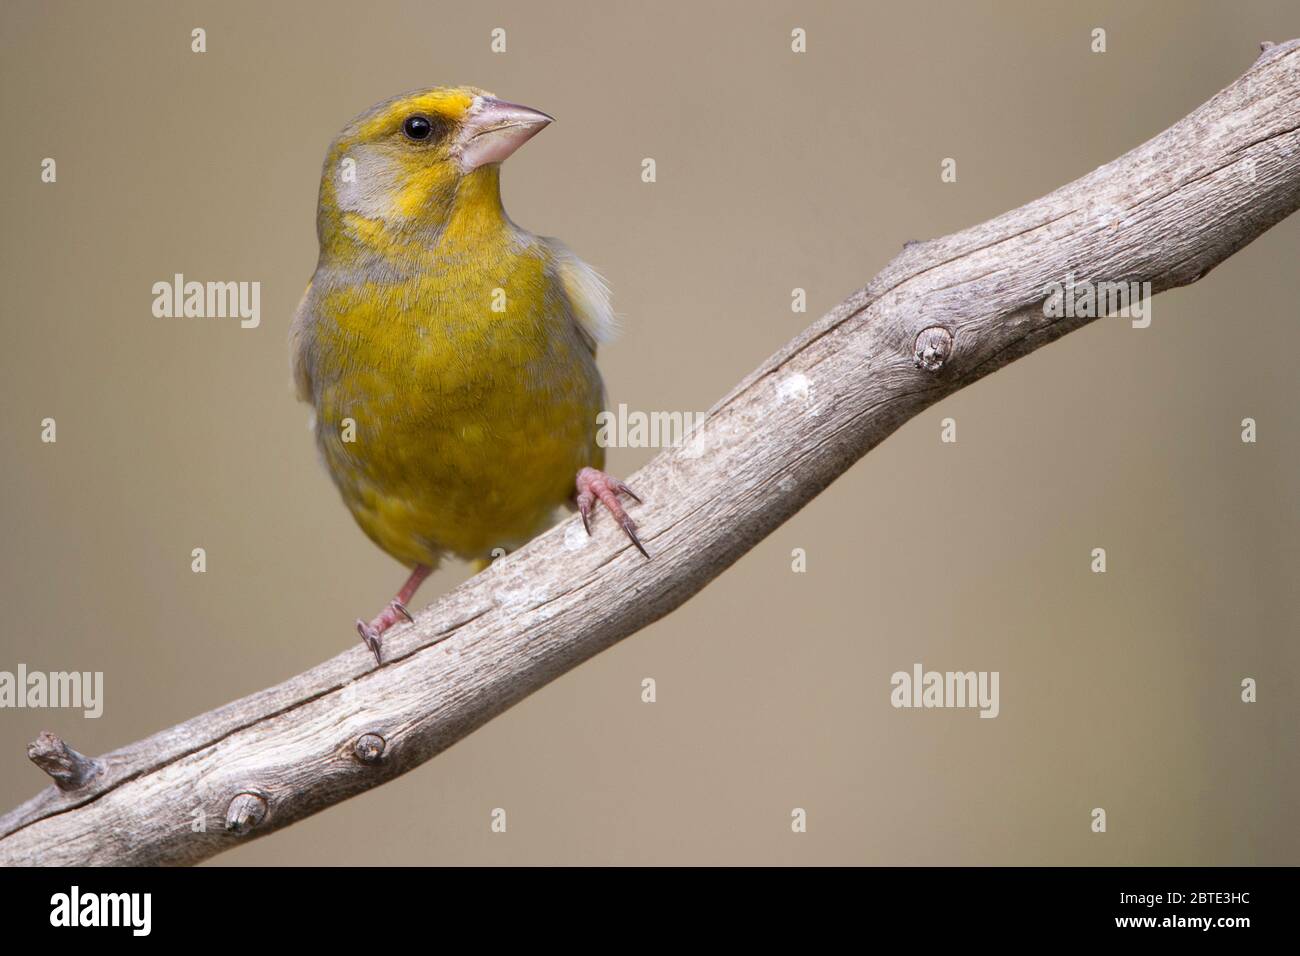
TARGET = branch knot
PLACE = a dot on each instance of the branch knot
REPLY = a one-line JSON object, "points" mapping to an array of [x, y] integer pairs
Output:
{"points": [[933, 346], [246, 811], [369, 749]]}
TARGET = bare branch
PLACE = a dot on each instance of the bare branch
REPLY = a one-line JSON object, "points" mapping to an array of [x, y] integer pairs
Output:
{"points": [[943, 314]]}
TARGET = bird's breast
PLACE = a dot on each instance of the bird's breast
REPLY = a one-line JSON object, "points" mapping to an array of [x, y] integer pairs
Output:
{"points": [[455, 405]]}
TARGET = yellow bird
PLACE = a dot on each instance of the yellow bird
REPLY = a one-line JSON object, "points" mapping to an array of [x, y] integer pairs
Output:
{"points": [[448, 355]]}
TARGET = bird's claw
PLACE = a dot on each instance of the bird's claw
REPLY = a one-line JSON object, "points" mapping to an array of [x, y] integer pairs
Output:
{"points": [[373, 633], [594, 485], [373, 639]]}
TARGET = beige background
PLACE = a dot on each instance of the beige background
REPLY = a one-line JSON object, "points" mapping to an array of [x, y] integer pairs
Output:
{"points": [[775, 171]]}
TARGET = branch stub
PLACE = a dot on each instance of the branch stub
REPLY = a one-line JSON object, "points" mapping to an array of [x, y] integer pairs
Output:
{"points": [[71, 770], [369, 749], [933, 346], [246, 811]]}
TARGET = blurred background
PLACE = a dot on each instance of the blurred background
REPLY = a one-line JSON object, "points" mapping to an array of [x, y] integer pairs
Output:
{"points": [[775, 170]]}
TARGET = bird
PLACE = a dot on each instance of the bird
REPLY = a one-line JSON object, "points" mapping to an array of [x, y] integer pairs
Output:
{"points": [[449, 355]]}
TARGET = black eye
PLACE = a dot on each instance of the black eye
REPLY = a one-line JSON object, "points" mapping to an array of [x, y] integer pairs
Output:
{"points": [[417, 127]]}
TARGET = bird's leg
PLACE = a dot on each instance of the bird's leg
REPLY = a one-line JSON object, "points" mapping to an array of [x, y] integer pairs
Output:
{"points": [[594, 485], [373, 632]]}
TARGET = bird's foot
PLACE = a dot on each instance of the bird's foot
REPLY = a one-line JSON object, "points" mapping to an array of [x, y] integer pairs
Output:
{"points": [[372, 634], [594, 485]]}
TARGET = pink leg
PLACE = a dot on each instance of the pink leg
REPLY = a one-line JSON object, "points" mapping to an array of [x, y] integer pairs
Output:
{"points": [[373, 632], [594, 485]]}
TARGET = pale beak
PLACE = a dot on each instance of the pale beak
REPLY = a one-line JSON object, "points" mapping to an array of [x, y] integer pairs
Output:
{"points": [[494, 129]]}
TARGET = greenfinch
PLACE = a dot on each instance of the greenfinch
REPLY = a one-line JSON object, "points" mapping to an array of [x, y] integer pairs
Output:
{"points": [[449, 356]]}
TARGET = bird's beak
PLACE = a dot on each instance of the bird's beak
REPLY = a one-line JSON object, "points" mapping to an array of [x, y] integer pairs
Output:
{"points": [[494, 129]]}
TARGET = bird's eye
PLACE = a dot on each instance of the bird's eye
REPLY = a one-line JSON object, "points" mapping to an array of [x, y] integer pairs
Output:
{"points": [[417, 127]]}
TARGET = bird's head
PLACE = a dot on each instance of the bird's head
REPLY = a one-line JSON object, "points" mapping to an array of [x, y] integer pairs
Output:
{"points": [[405, 166]]}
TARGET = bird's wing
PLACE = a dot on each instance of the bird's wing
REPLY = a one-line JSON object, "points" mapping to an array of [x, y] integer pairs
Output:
{"points": [[299, 343], [587, 294]]}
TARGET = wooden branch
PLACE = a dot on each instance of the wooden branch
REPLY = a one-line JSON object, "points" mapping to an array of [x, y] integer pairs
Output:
{"points": [[943, 314]]}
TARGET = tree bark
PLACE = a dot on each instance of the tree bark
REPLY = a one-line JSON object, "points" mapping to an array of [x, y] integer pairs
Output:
{"points": [[943, 314]]}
